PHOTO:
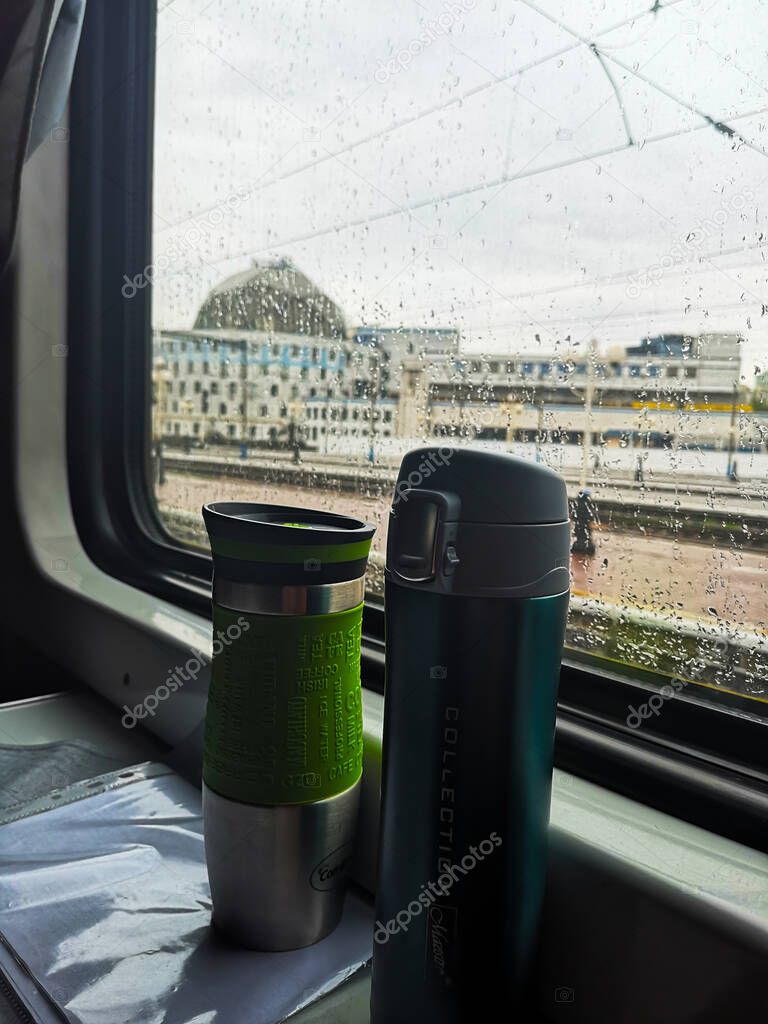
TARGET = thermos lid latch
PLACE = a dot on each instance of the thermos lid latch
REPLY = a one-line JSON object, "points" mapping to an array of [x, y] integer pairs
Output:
{"points": [[419, 529]]}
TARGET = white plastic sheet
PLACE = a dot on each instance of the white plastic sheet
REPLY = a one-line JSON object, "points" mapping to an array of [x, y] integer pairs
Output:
{"points": [[106, 902]]}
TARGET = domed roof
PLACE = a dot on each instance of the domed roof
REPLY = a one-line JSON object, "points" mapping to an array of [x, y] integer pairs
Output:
{"points": [[271, 296]]}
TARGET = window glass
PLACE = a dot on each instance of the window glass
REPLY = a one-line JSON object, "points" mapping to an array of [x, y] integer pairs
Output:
{"points": [[531, 226]]}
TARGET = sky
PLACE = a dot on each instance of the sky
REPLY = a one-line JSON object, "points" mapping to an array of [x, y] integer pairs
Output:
{"points": [[535, 174]]}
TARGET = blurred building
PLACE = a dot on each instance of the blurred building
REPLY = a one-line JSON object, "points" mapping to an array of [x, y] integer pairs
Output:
{"points": [[271, 360], [265, 342], [671, 387]]}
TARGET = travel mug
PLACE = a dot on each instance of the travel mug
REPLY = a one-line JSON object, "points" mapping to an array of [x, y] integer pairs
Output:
{"points": [[477, 583], [283, 731]]}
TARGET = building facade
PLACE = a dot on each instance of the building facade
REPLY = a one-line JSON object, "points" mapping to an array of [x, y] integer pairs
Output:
{"points": [[270, 362]]}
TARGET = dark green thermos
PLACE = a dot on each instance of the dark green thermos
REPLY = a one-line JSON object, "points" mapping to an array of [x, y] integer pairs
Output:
{"points": [[477, 585]]}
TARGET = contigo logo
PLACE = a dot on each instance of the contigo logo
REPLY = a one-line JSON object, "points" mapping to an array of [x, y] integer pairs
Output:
{"points": [[332, 870]]}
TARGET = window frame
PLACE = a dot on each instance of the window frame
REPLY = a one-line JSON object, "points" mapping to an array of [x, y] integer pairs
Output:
{"points": [[704, 764]]}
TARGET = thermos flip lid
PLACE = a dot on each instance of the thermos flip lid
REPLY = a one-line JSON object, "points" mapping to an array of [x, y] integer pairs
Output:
{"points": [[469, 521], [492, 487]]}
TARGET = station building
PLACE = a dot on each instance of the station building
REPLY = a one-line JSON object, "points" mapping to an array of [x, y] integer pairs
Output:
{"points": [[271, 360]]}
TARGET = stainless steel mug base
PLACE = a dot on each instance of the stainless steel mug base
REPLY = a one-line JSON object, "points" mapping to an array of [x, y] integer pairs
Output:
{"points": [[278, 873]]}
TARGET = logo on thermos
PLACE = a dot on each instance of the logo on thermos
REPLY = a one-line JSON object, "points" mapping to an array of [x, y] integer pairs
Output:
{"points": [[332, 870], [442, 929]]}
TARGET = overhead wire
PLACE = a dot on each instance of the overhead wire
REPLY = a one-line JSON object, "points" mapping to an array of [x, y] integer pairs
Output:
{"points": [[427, 112], [452, 195]]}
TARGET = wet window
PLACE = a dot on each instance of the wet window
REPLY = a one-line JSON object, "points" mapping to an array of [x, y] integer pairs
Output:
{"points": [[534, 226]]}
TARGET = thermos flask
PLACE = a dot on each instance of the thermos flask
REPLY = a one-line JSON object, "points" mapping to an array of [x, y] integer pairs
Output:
{"points": [[477, 584], [283, 732]]}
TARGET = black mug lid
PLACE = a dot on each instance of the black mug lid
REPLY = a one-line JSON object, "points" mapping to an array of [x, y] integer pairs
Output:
{"points": [[282, 544]]}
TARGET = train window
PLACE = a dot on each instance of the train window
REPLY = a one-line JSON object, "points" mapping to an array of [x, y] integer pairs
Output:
{"points": [[480, 195]]}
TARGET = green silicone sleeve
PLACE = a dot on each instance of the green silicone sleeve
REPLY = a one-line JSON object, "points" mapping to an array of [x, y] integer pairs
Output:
{"points": [[284, 722]]}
